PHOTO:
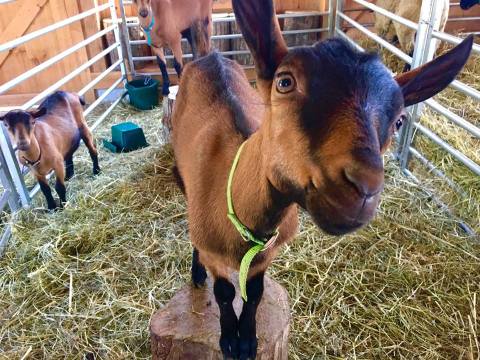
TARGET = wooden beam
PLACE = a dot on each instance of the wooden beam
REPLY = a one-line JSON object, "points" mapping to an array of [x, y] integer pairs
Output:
{"points": [[14, 101], [20, 23]]}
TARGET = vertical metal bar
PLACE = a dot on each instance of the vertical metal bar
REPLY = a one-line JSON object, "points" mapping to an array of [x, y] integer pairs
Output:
{"points": [[331, 18], [423, 52], [116, 32], [12, 166], [8, 186], [126, 39], [338, 20]]}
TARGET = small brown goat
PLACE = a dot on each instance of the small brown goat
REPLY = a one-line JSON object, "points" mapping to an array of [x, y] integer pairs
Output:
{"points": [[47, 138], [165, 22], [312, 135]]}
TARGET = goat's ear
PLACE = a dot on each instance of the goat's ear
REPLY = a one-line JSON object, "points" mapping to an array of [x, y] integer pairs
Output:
{"points": [[39, 112], [425, 81], [261, 31]]}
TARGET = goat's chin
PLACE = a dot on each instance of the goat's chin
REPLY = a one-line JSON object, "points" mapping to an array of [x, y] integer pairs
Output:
{"points": [[337, 229], [335, 220]]}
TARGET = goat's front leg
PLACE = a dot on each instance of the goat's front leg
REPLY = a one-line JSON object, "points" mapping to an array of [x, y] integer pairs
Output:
{"points": [[47, 192], [162, 64], [224, 294], [247, 324]]}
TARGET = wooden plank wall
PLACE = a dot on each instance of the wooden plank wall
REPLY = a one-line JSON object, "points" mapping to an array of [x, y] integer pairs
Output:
{"points": [[25, 16]]}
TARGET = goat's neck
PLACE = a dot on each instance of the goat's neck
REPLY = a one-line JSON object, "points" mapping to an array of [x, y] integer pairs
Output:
{"points": [[257, 204], [33, 153]]}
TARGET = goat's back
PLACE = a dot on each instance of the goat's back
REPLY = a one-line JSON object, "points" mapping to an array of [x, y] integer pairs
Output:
{"points": [[215, 110], [59, 127], [215, 107]]}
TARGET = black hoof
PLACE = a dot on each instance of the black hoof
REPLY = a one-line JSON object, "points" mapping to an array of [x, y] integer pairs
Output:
{"points": [[96, 171], [55, 209], [229, 347], [199, 275], [166, 89], [248, 348]]}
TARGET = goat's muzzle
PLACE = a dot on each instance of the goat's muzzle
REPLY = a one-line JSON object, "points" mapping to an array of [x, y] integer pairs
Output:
{"points": [[347, 202]]}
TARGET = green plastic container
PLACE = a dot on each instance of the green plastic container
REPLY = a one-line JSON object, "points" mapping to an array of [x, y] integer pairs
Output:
{"points": [[143, 93], [126, 136]]}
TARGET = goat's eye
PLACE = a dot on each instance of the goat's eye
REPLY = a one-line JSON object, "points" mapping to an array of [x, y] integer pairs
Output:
{"points": [[400, 121], [285, 83]]}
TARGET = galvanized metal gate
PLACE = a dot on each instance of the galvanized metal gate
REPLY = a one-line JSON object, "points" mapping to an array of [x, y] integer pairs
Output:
{"points": [[14, 194]]}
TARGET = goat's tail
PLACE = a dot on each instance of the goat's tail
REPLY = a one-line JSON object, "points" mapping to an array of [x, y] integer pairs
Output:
{"points": [[199, 31]]}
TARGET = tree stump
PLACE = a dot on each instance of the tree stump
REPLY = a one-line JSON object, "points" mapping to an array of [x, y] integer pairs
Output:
{"points": [[168, 104], [188, 326]]}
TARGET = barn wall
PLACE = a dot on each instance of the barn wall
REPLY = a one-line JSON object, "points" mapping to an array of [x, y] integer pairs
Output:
{"points": [[24, 16]]}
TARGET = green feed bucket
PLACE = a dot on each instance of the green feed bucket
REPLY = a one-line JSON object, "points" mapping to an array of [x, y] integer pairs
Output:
{"points": [[143, 93]]}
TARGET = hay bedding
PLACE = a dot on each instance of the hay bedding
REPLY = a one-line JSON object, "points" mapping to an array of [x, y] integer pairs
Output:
{"points": [[84, 282]]}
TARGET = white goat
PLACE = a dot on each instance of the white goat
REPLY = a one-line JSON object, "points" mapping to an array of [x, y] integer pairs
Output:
{"points": [[409, 9]]}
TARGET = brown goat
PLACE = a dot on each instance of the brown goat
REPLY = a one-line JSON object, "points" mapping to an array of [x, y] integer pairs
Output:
{"points": [[165, 22], [313, 135], [46, 138]]}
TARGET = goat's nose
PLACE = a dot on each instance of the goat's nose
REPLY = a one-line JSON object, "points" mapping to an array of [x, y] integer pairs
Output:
{"points": [[366, 180], [143, 13]]}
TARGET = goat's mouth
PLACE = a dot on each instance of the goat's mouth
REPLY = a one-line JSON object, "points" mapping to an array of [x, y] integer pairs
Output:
{"points": [[339, 217], [23, 147]]}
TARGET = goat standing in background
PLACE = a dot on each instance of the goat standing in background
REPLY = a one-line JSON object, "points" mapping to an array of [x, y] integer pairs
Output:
{"points": [[165, 22], [393, 31], [313, 135], [46, 139]]}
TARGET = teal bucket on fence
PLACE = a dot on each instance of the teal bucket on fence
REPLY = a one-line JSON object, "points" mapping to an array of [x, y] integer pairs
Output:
{"points": [[143, 93]]}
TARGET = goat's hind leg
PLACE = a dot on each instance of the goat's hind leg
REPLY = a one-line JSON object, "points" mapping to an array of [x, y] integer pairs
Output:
{"points": [[177, 55], [199, 274], [69, 168], [87, 138]]}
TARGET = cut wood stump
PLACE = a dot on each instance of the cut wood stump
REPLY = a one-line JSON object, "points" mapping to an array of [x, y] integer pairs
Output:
{"points": [[188, 326], [168, 104]]}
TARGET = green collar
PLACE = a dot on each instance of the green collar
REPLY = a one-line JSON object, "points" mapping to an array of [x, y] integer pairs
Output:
{"points": [[258, 244], [148, 30]]}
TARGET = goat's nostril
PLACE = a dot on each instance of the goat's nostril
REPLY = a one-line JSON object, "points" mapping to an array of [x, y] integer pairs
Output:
{"points": [[367, 182]]}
